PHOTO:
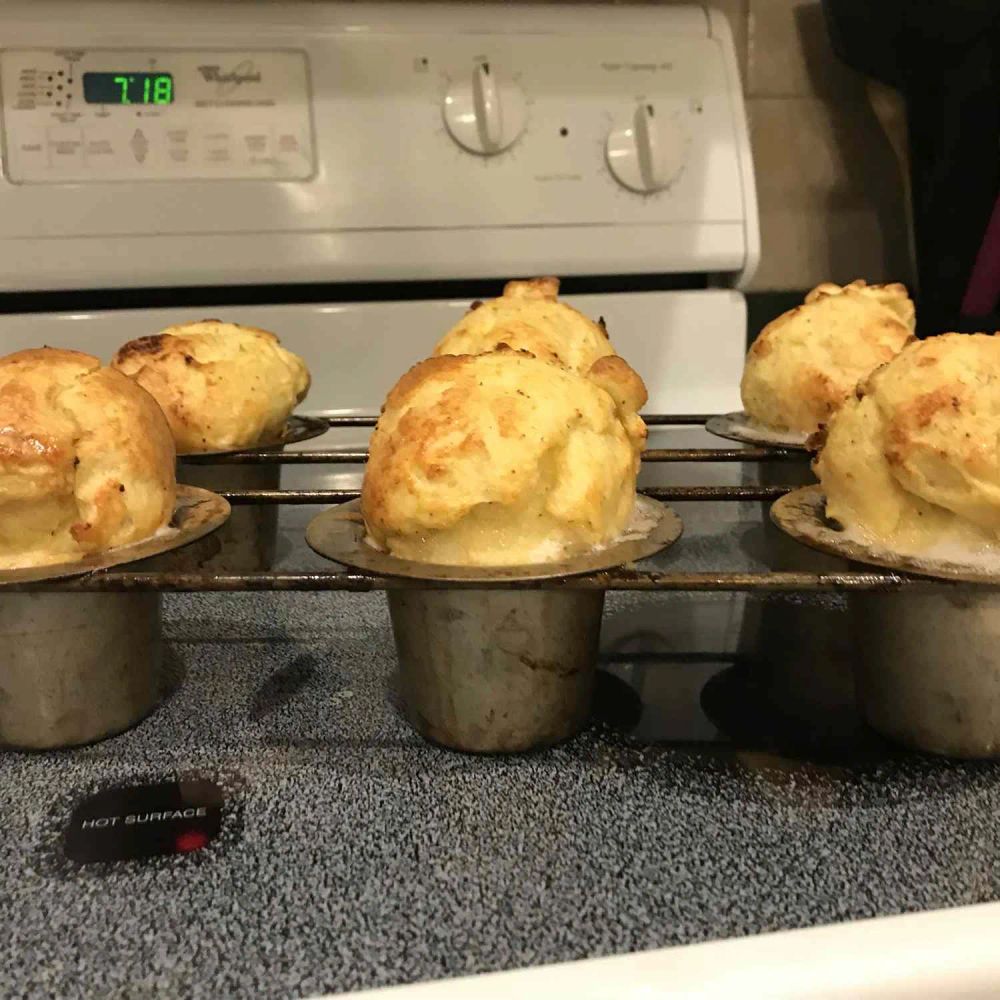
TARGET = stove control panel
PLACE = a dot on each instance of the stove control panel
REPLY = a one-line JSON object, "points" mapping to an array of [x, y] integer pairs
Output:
{"points": [[88, 115], [157, 144]]}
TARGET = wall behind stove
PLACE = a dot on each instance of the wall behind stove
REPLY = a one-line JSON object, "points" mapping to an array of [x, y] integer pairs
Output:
{"points": [[830, 186]]}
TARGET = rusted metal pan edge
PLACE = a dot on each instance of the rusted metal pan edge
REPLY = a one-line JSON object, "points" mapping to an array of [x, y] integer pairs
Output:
{"points": [[620, 579]]}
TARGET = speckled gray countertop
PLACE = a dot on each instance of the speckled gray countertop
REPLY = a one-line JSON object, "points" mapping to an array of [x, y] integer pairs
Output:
{"points": [[357, 855]]}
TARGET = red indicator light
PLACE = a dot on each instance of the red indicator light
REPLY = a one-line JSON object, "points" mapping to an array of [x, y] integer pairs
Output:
{"points": [[191, 840]]}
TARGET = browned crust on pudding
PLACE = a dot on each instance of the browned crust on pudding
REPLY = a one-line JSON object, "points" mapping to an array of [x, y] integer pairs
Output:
{"points": [[472, 449], [807, 362], [621, 382], [911, 459], [532, 288], [86, 459], [153, 344], [221, 385], [529, 316]]}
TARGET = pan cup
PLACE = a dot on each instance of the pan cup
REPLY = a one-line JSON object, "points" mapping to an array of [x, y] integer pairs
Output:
{"points": [[497, 671], [79, 667], [487, 662], [248, 541], [926, 657]]}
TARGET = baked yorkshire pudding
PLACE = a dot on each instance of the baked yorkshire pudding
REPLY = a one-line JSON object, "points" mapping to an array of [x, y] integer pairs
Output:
{"points": [[807, 362], [86, 459], [504, 459], [221, 386], [912, 460], [529, 317]]}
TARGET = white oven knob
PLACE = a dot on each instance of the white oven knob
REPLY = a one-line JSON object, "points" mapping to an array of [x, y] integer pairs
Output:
{"points": [[647, 153], [486, 112]]}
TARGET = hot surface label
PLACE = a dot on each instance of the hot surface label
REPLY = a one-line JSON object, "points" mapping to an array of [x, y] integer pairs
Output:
{"points": [[143, 821]]}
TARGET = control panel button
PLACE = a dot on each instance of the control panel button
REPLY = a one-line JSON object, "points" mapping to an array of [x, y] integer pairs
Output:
{"points": [[647, 153], [139, 145], [65, 147], [485, 112], [98, 146], [31, 148]]}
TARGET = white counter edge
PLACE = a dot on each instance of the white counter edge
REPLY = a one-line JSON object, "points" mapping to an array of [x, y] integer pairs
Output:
{"points": [[940, 953]]}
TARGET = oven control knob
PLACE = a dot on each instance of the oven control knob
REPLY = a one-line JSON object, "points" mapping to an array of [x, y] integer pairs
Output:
{"points": [[647, 153], [486, 112]]}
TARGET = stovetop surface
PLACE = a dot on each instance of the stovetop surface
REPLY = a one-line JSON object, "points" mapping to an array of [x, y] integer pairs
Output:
{"points": [[354, 854]]}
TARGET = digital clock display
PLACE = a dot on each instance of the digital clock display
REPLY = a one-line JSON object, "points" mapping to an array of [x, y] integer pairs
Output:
{"points": [[128, 88]]}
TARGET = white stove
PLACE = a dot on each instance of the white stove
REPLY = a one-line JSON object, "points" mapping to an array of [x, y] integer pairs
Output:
{"points": [[350, 175]]}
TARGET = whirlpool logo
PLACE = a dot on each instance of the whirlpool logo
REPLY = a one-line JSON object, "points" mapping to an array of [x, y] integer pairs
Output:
{"points": [[230, 79]]}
